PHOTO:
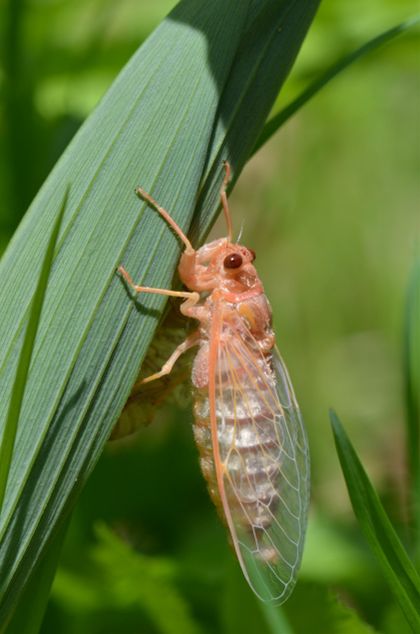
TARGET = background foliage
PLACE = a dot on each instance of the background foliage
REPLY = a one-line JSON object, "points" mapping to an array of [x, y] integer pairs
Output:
{"points": [[329, 207]]}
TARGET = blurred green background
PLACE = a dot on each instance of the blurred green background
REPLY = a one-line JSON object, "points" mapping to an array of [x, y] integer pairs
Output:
{"points": [[331, 208]]}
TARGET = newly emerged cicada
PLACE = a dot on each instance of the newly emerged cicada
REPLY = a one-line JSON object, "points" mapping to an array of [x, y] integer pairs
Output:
{"points": [[248, 427]]}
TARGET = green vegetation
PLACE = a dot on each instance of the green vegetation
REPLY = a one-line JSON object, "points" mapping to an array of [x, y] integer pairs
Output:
{"points": [[329, 206]]}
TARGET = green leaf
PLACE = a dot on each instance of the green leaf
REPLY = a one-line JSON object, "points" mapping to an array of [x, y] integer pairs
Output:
{"points": [[347, 621], [276, 619], [36, 593], [412, 384], [15, 404], [133, 579], [113, 581], [323, 612], [288, 111], [197, 91], [396, 566]]}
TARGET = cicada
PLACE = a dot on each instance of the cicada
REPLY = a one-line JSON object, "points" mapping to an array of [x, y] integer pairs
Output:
{"points": [[248, 427]]}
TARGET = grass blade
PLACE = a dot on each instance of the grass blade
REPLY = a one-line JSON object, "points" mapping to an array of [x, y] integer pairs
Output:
{"points": [[197, 91], [396, 566], [412, 383], [288, 111], [36, 594], [276, 619], [18, 391]]}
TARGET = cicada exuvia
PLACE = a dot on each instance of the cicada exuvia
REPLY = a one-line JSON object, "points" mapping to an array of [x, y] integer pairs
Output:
{"points": [[248, 427]]}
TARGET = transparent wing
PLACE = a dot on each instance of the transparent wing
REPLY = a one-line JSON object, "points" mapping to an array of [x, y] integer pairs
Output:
{"points": [[263, 452]]}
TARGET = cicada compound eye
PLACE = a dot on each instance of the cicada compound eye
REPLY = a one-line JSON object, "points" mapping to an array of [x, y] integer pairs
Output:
{"points": [[233, 261]]}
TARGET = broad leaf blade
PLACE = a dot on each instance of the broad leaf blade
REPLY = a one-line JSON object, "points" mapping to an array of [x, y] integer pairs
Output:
{"points": [[36, 596], [34, 599], [396, 566], [15, 404], [178, 107], [270, 43]]}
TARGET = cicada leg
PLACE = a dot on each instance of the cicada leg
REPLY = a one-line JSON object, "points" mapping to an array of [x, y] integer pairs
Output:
{"points": [[191, 299], [189, 342]]}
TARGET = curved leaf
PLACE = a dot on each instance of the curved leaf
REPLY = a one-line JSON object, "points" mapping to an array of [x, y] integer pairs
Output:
{"points": [[15, 404], [197, 91], [390, 554], [412, 387]]}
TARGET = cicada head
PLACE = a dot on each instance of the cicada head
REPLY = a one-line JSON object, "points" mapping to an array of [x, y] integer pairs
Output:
{"points": [[219, 264]]}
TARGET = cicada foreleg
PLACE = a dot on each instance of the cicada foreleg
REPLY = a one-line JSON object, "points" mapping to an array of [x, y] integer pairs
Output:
{"points": [[188, 307], [191, 297]]}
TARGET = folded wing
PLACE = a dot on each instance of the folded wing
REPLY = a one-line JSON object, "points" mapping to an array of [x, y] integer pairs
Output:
{"points": [[263, 464]]}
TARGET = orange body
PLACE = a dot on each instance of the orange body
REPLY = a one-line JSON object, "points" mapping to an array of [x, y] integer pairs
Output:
{"points": [[248, 428]]}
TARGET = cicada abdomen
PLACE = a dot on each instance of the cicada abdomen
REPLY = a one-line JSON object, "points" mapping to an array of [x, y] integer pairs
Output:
{"points": [[254, 455]]}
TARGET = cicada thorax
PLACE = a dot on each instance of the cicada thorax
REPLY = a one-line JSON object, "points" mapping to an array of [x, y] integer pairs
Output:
{"points": [[246, 405], [146, 398]]}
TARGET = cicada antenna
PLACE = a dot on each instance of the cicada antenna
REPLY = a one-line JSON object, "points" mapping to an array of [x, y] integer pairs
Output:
{"points": [[224, 200], [240, 232]]}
